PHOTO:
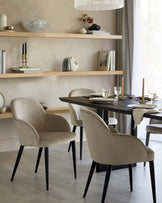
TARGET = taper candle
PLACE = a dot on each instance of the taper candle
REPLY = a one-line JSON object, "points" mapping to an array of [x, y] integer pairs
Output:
{"points": [[122, 87], [143, 88]]}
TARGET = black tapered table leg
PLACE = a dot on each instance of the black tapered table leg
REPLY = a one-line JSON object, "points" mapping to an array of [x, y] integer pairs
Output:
{"points": [[46, 154], [131, 177], [38, 159], [17, 161], [74, 158], [107, 178], [152, 174], [81, 141], [89, 178], [74, 129]]}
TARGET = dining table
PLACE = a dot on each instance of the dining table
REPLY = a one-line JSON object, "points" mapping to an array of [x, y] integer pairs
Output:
{"points": [[123, 106]]}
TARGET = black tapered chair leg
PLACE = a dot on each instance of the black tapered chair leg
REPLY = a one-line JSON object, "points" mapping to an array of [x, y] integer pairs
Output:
{"points": [[89, 178], [131, 177], [152, 174], [38, 159], [46, 167], [147, 142], [74, 158], [107, 178], [81, 141], [74, 129], [17, 161]]}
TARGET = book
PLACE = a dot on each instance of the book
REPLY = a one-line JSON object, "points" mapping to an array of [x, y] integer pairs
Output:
{"points": [[3, 61], [0, 61], [112, 61], [98, 32], [26, 70], [106, 61]]}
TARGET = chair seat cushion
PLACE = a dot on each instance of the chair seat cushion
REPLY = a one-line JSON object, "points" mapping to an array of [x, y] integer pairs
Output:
{"points": [[51, 138], [154, 128]]}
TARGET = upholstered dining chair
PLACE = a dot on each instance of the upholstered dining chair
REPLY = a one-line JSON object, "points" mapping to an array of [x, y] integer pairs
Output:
{"points": [[112, 148], [75, 114], [154, 127], [36, 128]]}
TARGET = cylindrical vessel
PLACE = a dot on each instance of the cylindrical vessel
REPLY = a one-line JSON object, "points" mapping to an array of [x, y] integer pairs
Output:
{"points": [[3, 21]]}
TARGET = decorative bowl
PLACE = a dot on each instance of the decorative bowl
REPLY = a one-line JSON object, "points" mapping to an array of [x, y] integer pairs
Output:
{"points": [[35, 25]]}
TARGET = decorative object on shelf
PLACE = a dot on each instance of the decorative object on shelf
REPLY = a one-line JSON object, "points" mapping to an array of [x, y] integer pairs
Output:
{"points": [[89, 27], [2, 61], [70, 64], [100, 32], [9, 28], [87, 21], [2, 103], [26, 70], [74, 64], [35, 25], [91, 5], [106, 61], [3, 21], [24, 55], [66, 66], [94, 27], [83, 31], [24, 67]]}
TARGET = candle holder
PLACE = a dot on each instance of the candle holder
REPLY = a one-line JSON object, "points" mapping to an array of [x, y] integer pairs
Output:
{"points": [[122, 97], [142, 101]]}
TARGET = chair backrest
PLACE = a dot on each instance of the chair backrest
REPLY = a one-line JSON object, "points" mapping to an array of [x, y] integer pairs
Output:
{"points": [[155, 121], [30, 111], [75, 109], [99, 136]]}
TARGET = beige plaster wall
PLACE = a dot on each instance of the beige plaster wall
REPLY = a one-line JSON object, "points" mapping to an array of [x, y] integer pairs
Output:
{"points": [[48, 54]]}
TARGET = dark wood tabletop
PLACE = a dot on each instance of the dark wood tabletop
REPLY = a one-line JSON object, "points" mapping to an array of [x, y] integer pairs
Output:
{"points": [[120, 107]]}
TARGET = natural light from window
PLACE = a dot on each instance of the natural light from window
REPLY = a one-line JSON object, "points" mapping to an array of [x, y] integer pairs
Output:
{"points": [[152, 44]]}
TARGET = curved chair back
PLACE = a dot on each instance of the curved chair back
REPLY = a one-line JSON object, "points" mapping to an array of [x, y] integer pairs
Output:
{"points": [[155, 121], [75, 109], [99, 136], [30, 111]]}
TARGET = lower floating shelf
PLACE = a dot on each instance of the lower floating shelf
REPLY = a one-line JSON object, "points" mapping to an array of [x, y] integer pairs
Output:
{"points": [[61, 73], [55, 110]]}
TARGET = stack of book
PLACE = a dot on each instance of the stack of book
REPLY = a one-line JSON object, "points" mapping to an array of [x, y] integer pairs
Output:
{"points": [[26, 70], [2, 61], [106, 61]]}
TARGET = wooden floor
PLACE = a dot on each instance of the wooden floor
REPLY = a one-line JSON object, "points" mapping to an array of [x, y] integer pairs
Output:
{"points": [[29, 187]]}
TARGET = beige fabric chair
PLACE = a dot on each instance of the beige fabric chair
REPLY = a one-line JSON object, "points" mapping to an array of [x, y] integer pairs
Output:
{"points": [[154, 127], [36, 128], [75, 114], [112, 148]]}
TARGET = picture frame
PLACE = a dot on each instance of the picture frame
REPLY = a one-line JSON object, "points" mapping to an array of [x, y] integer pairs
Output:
{"points": [[103, 60]]}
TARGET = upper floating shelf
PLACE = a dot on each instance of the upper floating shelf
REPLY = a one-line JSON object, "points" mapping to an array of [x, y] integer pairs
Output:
{"points": [[57, 73], [59, 35]]}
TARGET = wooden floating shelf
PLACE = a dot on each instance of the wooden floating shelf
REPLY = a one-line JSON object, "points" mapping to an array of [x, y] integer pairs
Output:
{"points": [[57, 73], [59, 35], [55, 110]]}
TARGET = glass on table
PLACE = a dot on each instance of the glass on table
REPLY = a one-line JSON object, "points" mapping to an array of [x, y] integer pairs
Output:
{"points": [[152, 95], [117, 91], [106, 92]]}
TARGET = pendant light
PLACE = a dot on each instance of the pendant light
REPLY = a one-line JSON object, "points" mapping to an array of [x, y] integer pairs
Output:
{"points": [[94, 5]]}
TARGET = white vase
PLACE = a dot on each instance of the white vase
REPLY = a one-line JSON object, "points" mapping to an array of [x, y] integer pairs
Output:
{"points": [[74, 64], [3, 21]]}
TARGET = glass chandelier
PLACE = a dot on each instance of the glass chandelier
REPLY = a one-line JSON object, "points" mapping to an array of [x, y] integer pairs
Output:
{"points": [[92, 5]]}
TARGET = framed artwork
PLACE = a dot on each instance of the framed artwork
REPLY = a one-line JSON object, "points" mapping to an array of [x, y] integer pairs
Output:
{"points": [[103, 60]]}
